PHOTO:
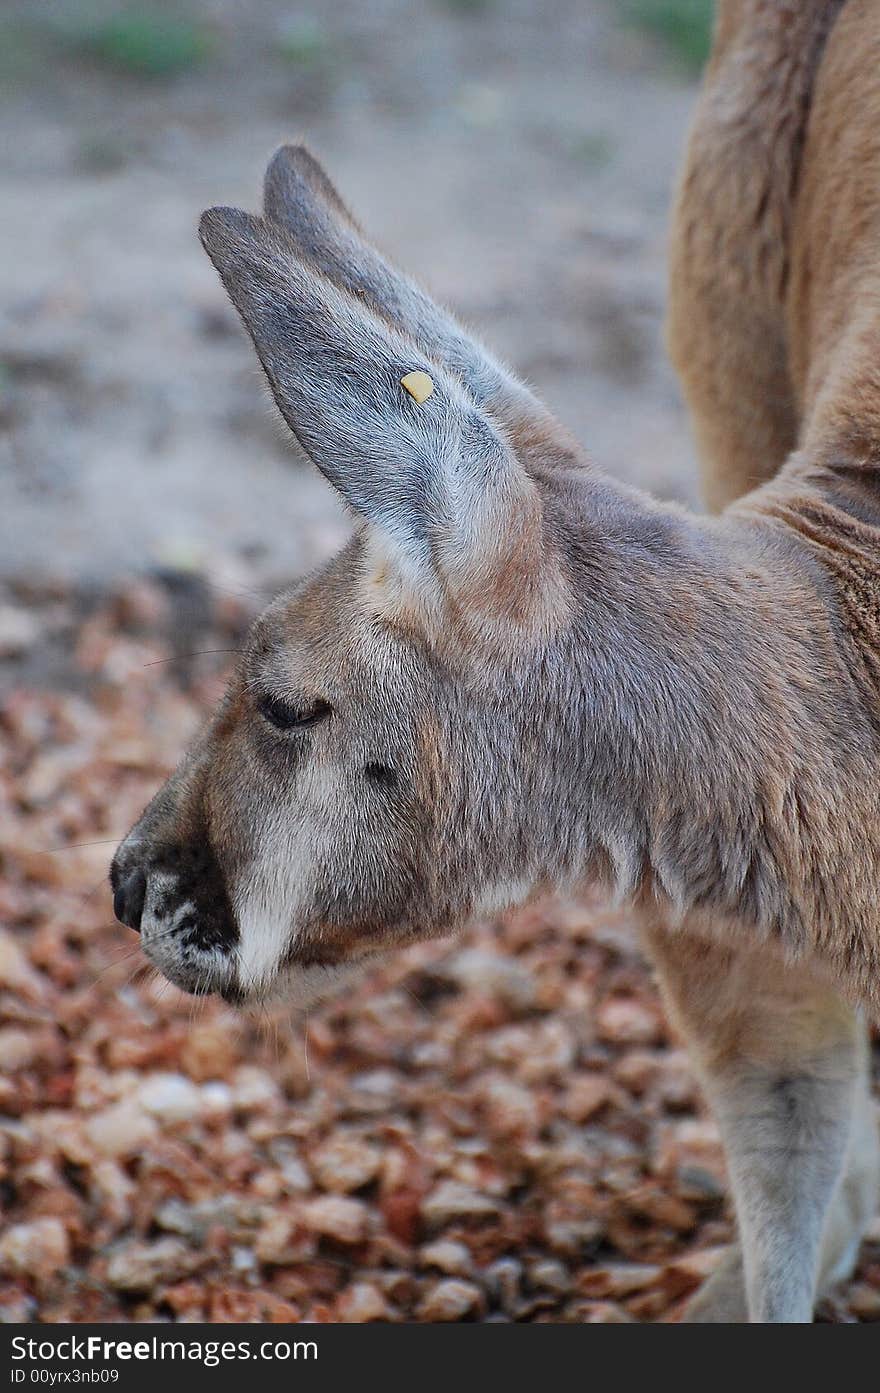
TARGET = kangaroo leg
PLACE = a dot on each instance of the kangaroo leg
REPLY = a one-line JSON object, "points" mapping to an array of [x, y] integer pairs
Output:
{"points": [[784, 1065], [722, 1298]]}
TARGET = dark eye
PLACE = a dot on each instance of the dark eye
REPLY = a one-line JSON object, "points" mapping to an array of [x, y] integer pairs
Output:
{"points": [[284, 715], [381, 774]]}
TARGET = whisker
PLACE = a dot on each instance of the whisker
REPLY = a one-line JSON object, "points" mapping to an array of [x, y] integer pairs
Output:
{"points": [[256, 592], [274, 1037], [138, 948], [264, 1023], [197, 1000], [117, 962], [164, 984], [197, 653], [137, 973], [73, 846], [94, 890]]}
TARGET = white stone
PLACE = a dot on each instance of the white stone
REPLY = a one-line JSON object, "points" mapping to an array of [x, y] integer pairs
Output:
{"points": [[170, 1098]]}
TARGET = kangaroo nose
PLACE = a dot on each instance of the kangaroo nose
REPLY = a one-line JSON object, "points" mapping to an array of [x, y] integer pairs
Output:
{"points": [[128, 901]]}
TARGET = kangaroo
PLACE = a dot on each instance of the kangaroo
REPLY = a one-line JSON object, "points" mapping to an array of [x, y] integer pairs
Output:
{"points": [[519, 675]]}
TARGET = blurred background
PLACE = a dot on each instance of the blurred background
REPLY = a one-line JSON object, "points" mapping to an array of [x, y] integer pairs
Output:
{"points": [[500, 1127], [517, 157]]}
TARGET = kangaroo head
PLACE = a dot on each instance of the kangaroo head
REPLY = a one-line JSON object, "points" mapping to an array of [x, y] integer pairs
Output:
{"points": [[363, 781]]}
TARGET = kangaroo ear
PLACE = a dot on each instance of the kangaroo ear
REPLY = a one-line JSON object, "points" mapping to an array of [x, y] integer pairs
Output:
{"points": [[299, 197], [432, 471]]}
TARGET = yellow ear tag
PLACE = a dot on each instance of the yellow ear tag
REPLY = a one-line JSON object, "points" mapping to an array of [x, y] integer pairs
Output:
{"points": [[418, 384]]}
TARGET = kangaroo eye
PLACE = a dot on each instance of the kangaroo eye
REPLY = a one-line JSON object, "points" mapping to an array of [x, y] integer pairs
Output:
{"points": [[285, 716], [381, 774]]}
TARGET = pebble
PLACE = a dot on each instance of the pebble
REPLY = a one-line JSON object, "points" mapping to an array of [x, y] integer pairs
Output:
{"points": [[864, 1301], [549, 1275], [19, 1049], [193, 1221], [539, 1053], [254, 1089], [362, 1302], [637, 1070], [344, 1163], [510, 1107], [295, 1176], [492, 974], [334, 1216], [16, 972], [114, 1188], [571, 1236], [696, 1184], [603, 1313], [170, 1098], [585, 1095], [625, 1021], [452, 1200], [16, 1307], [243, 1259], [209, 1051], [121, 1131], [37, 1249], [217, 1099], [273, 1242], [504, 1281], [617, 1279], [447, 1256], [137, 1266], [377, 1084], [451, 1299]]}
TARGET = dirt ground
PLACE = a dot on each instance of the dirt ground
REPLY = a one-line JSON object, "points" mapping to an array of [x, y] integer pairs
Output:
{"points": [[500, 1127], [518, 158]]}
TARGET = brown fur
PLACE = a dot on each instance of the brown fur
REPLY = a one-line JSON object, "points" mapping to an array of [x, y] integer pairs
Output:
{"points": [[530, 676]]}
